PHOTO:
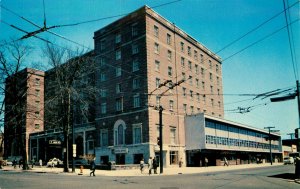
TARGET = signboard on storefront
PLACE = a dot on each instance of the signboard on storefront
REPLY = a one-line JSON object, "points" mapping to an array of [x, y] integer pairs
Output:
{"points": [[121, 150], [55, 142]]}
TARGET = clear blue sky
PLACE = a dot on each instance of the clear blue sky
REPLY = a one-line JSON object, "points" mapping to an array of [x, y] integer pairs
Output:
{"points": [[263, 67]]}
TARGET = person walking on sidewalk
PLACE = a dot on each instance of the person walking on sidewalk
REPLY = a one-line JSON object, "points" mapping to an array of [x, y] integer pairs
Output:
{"points": [[150, 165], [225, 161], [142, 165], [155, 165], [205, 161], [93, 167]]}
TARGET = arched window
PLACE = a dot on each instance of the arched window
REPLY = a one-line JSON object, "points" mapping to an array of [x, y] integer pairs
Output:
{"points": [[119, 132]]}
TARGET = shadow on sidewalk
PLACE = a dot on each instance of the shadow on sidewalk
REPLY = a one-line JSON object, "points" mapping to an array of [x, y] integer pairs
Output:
{"points": [[288, 176]]}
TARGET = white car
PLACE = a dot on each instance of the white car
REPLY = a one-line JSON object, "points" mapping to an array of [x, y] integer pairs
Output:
{"points": [[54, 162], [288, 160]]}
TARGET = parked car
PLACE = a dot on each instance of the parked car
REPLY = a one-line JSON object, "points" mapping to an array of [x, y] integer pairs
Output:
{"points": [[54, 162], [288, 160]]}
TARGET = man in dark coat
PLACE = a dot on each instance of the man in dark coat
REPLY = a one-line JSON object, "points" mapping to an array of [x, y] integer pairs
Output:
{"points": [[93, 168], [155, 165]]}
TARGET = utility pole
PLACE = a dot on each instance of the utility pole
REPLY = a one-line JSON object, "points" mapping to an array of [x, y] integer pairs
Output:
{"points": [[161, 162], [269, 128]]}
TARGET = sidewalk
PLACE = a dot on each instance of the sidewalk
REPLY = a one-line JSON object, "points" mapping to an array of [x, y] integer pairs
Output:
{"points": [[136, 172]]}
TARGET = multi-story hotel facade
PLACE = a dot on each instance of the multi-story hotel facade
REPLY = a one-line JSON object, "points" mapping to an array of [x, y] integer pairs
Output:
{"points": [[147, 61], [24, 111]]}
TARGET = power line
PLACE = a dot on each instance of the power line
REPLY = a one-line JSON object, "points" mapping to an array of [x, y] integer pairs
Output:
{"points": [[109, 17], [290, 43]]}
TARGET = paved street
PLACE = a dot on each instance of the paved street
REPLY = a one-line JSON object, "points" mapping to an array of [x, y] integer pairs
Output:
{"points": [[276, 176]]}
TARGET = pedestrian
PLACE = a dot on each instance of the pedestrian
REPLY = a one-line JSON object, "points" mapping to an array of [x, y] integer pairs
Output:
{"points": [[205, 161], [155, 165], [142, 165], [20, 163], [150, 165], [225, 161], [32, 163], [14, 163], [93, 167], [41, 162], [180, 162]]}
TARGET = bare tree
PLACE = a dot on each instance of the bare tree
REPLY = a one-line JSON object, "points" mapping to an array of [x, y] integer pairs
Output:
{"points": [[69, 89], [13, 110]]}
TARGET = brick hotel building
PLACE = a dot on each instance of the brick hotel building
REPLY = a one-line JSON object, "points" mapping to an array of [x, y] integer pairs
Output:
{"points": [[146, 61]]}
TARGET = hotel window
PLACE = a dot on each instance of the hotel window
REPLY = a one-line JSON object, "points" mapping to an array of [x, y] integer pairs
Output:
{"points": [[136, 101], [103, 108], [210, 77], [219, 104], [173, 157], [191, 94], [198, 110], [211, 89], [190, 65], [197, 83], [102, 61], [182, 46], [184, 108], [196, 69], [119, 135], [182, 62], [210, 64], [135, 49], [170, 71], [195, 55], [118, 38], [217, 68], [204, 99], [118, 88], [184, 91], [169, 55], [218, 91], [37, 114], [36, 126], [37, 92], [169, 39], [37, 81], [201, 58], [135, 65], [171, 105], [103, 92], [191, 80], [156, 31], [218, 80], [136, 83], [157, 65], [102, 45], [157, 100], [203, 85], [192, 110], [198, 97], [102, 77], [119, 104], [183, 76], [118, 54], [104, 137], [134, 30], [173, 135], [212, 102], [157, 82], [202, 72], [137, 133], [189, 51], [156, 48], [118, 71]]}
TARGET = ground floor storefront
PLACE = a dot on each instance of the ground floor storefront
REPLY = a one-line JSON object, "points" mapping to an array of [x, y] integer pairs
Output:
{"points": [[201, 158]]}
